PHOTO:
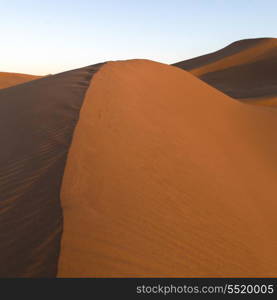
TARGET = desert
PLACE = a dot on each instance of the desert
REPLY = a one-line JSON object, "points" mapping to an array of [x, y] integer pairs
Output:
{"points": [[135, 168]]}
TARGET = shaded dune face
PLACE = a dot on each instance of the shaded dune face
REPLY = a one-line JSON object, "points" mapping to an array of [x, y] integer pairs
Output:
{"points": [[166, 176], [245, 70], [37, 120], [11, 79]]}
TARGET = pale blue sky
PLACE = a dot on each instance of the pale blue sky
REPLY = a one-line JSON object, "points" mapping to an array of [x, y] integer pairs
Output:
{"points": [[41, 37]]}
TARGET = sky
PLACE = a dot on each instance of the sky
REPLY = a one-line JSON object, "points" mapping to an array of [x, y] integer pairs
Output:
{"points": [[48, 37]]}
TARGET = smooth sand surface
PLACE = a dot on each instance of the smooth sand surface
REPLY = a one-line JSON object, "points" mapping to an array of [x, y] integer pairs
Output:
{"points": [[11, 79], [245, 69], [37, 120], [166, 176]]}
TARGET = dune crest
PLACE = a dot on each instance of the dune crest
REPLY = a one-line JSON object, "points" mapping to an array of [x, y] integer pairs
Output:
{"points": [[166, 176]]}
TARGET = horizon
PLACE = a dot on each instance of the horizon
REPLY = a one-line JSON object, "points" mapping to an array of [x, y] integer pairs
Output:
{"points": [[49, 38]]}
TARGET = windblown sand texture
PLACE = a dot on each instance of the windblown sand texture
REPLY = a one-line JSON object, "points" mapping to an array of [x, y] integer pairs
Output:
{"points": [[245, 70], [36, 125]]}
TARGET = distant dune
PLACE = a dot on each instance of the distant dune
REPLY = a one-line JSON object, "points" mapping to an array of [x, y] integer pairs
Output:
{"points": [[11, 79], [245, 70]]}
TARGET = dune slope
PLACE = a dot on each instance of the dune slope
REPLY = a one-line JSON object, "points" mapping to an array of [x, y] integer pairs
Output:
{"points": [[166, 176], [11, 79], [245, 70], [37, 120]]}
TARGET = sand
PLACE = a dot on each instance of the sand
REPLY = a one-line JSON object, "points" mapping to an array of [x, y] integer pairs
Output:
{"points": [[265, 101], [37, 120], [167, 176], [243, 70], [11, 79]]}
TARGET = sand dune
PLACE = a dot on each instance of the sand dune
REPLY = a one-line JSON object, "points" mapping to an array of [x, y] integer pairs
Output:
{"points": [[166, 176], [245, 70], [11, 79]]}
